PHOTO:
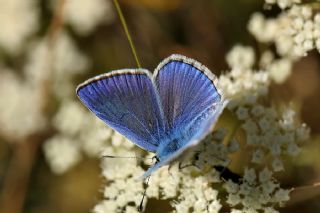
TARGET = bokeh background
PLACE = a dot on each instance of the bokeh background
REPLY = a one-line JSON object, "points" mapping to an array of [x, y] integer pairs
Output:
{"points": [[93, 42]]}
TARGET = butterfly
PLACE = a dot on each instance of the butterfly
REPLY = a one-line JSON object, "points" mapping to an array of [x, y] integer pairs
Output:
{"points": [[165, 113]]}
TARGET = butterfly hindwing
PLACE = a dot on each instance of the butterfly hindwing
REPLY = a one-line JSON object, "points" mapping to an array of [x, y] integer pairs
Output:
{"points": [[127, 101]]}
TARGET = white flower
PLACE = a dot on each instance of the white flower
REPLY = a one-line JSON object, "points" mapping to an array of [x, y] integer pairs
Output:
{"points": [[242, 113], [253, 139], [66, 61], [293, 149], [89, 134], [263, 30], [20, 107], [131, 209], [71, 118], [294, 32], [265, 175], [282, 195], [280, 70], [236, 211], [95, 137], [269, 187], [233, 199], [277, 165], [241, 57], [258, 110], [231, 187], [181, 207], [214, 206], [266, 59], [61, 153], [210, 194], [283, 3], [85, 15], [270, 210], [200, 205], [18, 20], [302, 132], [265, 123], [111, 167], [119, 140], [257, 156], [117, 192], [249, 175], [250, 127], [275, 149], [245, 88], [105, 206]]}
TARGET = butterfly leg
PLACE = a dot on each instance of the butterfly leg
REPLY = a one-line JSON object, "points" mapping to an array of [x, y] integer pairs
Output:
{"points": [[187, 165]]}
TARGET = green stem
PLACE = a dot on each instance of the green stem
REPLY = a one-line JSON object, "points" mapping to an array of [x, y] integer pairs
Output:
{"points": [[232, 133], [125, 27]]}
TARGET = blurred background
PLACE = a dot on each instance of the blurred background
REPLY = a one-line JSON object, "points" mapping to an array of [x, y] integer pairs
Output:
{"points": [[48, 47]]}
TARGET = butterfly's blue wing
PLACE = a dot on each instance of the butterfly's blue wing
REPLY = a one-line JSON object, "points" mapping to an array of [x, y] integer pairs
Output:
{"points": [[127, 101], [186, 89], [191, 103]]}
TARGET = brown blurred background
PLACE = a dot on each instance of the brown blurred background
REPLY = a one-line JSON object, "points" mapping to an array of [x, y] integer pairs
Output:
{"points": [[205, 30]]}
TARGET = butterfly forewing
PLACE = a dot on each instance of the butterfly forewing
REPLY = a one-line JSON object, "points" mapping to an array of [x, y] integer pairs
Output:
{"points": [[127, 101], [186, 90]]}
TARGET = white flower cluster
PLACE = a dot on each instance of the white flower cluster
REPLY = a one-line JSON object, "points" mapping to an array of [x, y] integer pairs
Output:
{"points": [[124, 193], [295, 31], [256, 193], [18, 121], [51, 63], [241, 57], [85, 15], [78, 131], [242, 84], [18, 20], [58, 64], [119, 198], [271, 132], [283, 3], [190, 187], [20, 107]]}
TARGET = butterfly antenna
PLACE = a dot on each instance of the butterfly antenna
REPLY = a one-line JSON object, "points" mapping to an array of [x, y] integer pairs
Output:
{"points": [[126, 30], [144, 194], [114, 156]]}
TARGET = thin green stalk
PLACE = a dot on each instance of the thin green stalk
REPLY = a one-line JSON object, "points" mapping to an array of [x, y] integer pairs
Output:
{"points": [[125, 27], [232, 133]]}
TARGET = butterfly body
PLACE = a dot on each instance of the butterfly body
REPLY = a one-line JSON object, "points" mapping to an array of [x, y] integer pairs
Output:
{"points": [[166, 113], [169, 145]]}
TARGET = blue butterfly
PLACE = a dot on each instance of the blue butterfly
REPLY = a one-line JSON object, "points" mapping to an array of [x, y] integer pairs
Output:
{"points": [[165, 113]]}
